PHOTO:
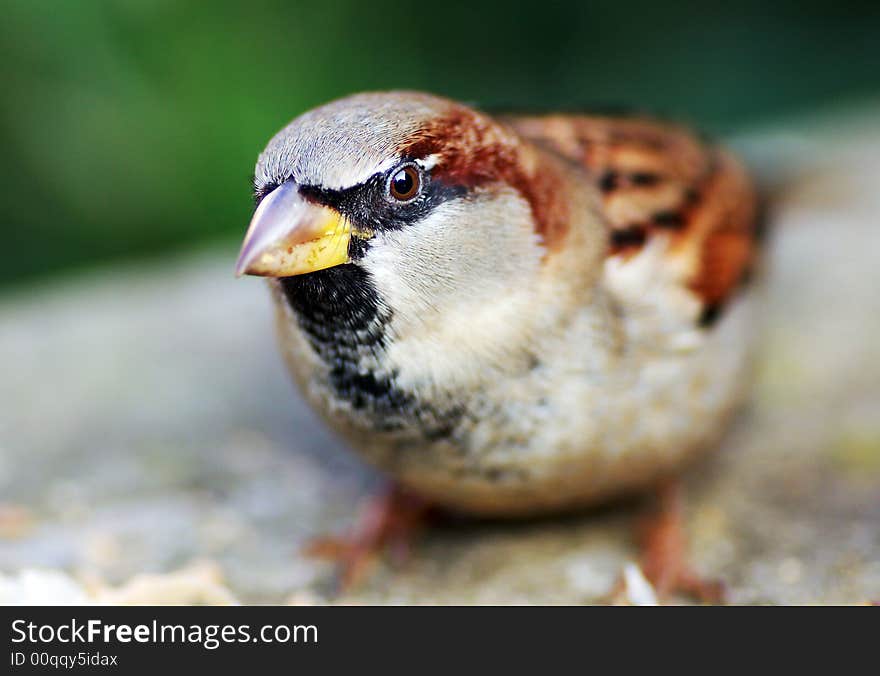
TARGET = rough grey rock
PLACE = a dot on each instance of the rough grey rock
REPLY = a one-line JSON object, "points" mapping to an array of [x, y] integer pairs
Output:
{"points": [[146, 421]]}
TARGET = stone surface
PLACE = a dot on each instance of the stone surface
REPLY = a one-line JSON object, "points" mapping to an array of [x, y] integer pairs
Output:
{"points": [[146, 423]]}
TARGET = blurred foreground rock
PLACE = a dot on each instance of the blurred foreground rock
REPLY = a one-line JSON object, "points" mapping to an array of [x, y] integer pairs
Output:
{"points": [[146, 423]]}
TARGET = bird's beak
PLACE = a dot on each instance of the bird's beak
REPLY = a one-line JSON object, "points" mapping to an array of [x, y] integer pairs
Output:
{"points": [[290, 236]]}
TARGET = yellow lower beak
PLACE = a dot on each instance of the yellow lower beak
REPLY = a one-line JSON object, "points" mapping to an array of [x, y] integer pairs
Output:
{"points": [[290, 236]]}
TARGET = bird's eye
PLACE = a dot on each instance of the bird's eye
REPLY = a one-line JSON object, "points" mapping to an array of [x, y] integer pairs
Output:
{"points": [[405, 183]]}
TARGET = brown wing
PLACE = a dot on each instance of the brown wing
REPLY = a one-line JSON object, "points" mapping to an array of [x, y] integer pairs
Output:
{"points": [[659, 180]]}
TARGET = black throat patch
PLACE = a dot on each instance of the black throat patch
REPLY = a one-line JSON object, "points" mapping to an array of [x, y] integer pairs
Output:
{"points": [[345, 321]]}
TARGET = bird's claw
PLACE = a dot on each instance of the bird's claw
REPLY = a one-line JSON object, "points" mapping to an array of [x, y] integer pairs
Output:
{"points": [[386, 521]]}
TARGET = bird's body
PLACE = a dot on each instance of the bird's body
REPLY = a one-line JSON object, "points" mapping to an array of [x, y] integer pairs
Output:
{"points": [[558, 315]]}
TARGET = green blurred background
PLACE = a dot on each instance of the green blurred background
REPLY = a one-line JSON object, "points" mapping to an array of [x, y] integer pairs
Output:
{"points": [[130, 127]]}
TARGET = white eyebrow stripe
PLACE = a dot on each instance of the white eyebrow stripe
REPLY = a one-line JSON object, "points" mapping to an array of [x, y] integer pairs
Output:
{"points": [[357, 174], [342, 179], [336, 175], [429, 162]]}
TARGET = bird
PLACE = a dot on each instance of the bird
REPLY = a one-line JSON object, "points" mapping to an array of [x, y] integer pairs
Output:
{"points": [[510, 315]]}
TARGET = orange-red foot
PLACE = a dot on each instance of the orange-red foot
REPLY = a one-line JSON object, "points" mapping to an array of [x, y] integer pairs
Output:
{"points": [[390, 520], [664, 551]]}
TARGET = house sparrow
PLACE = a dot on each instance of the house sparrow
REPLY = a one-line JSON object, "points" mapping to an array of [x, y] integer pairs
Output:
{"points": [[509, 315]]}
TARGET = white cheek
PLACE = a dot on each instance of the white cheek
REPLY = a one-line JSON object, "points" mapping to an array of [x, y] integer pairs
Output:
{"points": [[461, 284]]}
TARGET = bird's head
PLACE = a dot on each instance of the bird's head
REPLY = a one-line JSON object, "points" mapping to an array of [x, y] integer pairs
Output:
{"points": [[446, 210]]}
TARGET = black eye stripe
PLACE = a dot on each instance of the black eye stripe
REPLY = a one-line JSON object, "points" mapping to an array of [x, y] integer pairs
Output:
{"points": [[369, 205]]}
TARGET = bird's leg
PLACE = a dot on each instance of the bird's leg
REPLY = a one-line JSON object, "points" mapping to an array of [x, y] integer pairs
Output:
{"points": [[388, 520], [664, 550]]}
